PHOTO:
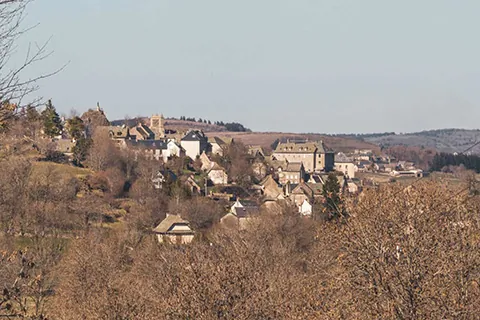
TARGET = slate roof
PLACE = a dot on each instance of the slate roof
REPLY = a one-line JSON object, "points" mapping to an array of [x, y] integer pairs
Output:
{"points": [[194, 135], [246, 211], [256, 150], [149, 144], [145, 131], [115, 131], [303, 188], [302, 147], [168, 174], [169, 222], [216, 140], [293, 167]]}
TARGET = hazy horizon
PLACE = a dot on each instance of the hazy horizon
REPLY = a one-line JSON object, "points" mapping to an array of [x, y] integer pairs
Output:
{"points": [[284, 66]]}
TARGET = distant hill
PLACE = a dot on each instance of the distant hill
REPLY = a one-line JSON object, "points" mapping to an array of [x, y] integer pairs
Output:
{"points": [[443, 140]]}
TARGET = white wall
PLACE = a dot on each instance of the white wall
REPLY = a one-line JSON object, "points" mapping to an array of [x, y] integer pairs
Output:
{"points": [[192, 148], [348, 168]]}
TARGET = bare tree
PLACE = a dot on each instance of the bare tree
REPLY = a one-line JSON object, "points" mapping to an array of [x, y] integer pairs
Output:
{"points": [[13, 86]]}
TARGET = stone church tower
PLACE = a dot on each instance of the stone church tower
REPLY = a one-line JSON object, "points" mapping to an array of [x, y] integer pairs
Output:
{"points": [[156, 125]]}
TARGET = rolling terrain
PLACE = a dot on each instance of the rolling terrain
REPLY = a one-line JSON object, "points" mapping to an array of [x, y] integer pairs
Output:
{"points": [[443, 140]]}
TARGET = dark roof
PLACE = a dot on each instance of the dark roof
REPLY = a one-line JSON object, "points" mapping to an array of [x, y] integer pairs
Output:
{"points": [[293, 167], [194, 135], [168, 174], [246, 211], [216, 140], [145, 131], [148, 144]]}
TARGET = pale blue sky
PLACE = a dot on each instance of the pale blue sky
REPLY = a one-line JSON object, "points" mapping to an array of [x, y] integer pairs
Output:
{"points": [[273, 65]]}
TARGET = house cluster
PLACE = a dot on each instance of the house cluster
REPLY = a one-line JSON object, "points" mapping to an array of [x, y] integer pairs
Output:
{"points": [[160, 144], [295, 173], [365, 161]]}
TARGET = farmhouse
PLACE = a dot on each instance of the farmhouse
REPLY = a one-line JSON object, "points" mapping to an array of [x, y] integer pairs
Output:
{"points": [[173, 229]]}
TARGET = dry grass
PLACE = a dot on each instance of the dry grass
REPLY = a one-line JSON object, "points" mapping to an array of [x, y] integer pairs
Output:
{"points": [[63, 170]]}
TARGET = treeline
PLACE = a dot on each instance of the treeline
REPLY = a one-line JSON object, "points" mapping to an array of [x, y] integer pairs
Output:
{"points": [[230, 126], [359, 136], [442, 160]]}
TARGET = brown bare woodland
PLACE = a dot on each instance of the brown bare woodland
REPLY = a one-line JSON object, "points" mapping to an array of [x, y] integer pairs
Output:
{"points": [[414, 254]]}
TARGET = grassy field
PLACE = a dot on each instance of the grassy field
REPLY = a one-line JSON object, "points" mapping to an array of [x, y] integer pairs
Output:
{"points": [[63, 170]]}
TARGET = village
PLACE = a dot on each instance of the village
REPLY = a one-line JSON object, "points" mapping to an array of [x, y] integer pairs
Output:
{"points": [[294, 173]]}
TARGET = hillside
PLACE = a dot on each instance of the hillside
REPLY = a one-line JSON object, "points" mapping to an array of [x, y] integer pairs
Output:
{"points": [[444, 140]]}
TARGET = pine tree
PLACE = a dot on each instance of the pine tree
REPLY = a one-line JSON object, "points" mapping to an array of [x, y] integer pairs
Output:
{"points": [[80, 150], [331, 193], [52, 124], [75, 128]]}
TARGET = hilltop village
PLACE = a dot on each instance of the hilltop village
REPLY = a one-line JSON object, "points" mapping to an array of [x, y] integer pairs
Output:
{"points": [[299, 174]]}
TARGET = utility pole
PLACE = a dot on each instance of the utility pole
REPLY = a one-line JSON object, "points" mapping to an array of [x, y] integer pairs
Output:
{"points": [[206, 187]]}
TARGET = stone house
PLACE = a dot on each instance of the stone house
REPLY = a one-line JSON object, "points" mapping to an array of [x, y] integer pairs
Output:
{"points": [[173, 229], [347, 168], [216, 145], [241, 215], [315, 156], [191, 184], [256, 151], [119, 134], [258, 162], [300, 193], [293, 173], [271, 189], [206, 162], [194, 142], [141, 132], [217, 174]]}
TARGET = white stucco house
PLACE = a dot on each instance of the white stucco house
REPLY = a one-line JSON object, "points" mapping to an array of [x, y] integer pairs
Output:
{"points": [[305, 208], [194, 142]]}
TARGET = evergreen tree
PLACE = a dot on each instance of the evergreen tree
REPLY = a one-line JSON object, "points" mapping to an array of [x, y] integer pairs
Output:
{"points": [[75, 128], [331, 193], [52, 124], [80, 150]]}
